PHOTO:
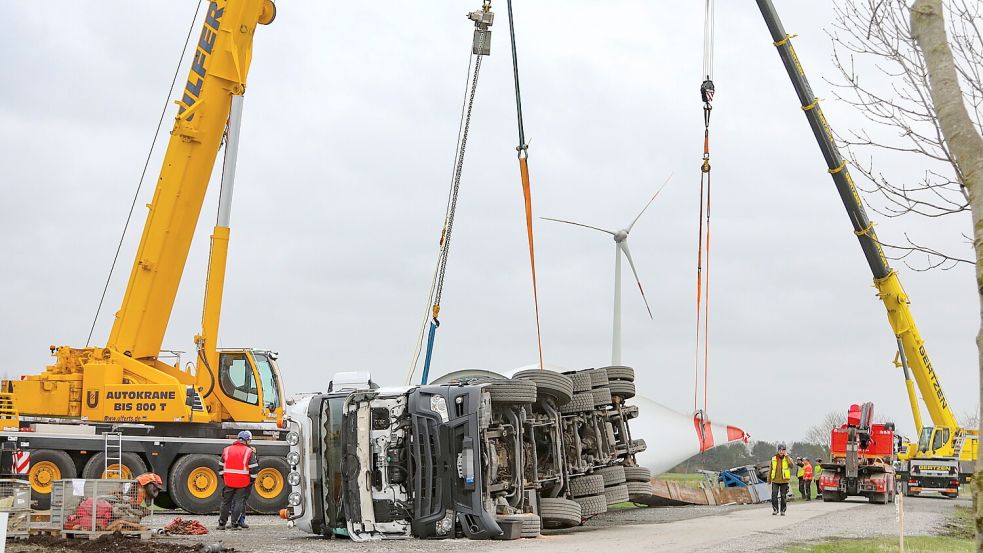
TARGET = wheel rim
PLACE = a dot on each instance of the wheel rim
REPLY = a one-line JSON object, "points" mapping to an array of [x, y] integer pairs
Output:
{"points": [[269, 483], [124, 472], [202, 482], [42, 476]]}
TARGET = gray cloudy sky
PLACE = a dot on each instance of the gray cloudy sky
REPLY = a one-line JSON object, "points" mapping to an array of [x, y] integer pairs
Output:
{"points": [[345, 158]]}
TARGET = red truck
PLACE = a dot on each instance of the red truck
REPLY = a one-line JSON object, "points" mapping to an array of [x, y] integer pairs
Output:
{"points": [[862, 459]]}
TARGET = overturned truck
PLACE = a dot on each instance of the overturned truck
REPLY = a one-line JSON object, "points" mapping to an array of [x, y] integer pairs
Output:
{"points": [[474, 454]]}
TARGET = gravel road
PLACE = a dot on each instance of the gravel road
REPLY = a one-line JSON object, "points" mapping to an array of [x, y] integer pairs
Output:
{"points": [[742, 529]]}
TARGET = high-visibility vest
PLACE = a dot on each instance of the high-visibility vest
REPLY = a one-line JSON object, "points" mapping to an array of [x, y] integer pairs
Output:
{"points": [[807, 471], [800, 472], [235, 465], [786, 468]]}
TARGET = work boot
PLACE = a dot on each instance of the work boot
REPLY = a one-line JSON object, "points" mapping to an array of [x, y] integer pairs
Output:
{"points": [[773, 513], [244, 526], [221, 526], [235, 527], [783, 514]]}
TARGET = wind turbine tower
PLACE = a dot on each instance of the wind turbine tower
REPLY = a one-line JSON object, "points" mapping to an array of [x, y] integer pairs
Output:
{"points": [[620, 248]]}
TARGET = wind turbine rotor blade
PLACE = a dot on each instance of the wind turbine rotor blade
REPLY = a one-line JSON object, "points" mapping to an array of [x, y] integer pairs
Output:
{"points": [[577, 224], [624, 247], [654, 196]]}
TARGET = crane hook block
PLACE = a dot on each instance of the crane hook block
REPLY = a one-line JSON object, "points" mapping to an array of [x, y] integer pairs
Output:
{"points": [[706, 91], [483, 20]]}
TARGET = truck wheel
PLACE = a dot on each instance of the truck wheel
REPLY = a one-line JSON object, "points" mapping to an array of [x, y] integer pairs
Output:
{"points": [[612, 475], [530, 523], [580, 379], [165, 502], [583, 486], [616, 494], [626, 374], [880, 498], [602, 397], [638, 474], [598, 378], [48, 465], [580, 403], [639, 490], [951, 495], [592, 505], [195, 485], [622, 389], [270, 490], [832, 496], [557, 512], [511, 391], [549, 383], [95, 468]]}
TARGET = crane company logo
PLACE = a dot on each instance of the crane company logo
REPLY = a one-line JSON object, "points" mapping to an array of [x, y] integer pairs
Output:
{"points": [[209, 32], [92, 399]]}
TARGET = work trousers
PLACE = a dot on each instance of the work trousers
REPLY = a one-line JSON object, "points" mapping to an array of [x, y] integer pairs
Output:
{"points": [[819, 491], [234, 501], [807, 490], [779, 496]]}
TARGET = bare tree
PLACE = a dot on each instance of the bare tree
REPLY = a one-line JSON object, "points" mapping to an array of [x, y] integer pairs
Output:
{"points": [[820, 432], [884, 75]]}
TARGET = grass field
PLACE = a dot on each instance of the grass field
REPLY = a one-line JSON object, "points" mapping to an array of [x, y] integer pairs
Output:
{"points": [[957, 538], [691, 479]]}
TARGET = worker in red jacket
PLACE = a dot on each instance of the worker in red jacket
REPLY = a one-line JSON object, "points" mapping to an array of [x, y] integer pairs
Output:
{"points": [[239, 468]]}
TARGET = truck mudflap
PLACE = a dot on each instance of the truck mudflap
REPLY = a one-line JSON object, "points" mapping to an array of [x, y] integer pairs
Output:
{"points": [[446, 453]]}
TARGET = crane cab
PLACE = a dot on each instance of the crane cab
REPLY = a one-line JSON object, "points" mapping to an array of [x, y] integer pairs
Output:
{"points": [[249, 385]]}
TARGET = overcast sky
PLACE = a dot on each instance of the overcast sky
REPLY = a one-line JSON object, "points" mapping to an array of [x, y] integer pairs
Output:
{"points": [[345, 157]]}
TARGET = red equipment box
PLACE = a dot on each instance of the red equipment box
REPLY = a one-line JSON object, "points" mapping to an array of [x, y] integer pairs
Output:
{"points": [[881, 442]]}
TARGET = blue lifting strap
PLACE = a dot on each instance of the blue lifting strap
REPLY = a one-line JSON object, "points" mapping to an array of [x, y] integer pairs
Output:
{"points": [[426, 363]]}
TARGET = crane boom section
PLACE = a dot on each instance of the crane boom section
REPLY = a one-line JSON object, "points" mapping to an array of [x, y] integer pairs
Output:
{"points": [[218, 71], [886, 280]]}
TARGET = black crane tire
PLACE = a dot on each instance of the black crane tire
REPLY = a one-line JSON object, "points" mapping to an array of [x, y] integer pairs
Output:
{"points": [[48, 465], [195, 485], [133, 466], [270, 488]]}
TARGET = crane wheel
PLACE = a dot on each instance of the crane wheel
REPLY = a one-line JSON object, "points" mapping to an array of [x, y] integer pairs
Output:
{"points": [[195, 485], [270, 489], [48, 465], [133, 466]]}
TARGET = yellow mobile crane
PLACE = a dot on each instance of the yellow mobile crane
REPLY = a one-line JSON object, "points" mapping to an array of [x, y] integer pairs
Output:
{"points": [[946, 452], [171, 420]]}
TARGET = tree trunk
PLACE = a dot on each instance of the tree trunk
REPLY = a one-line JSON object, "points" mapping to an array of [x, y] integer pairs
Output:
{"points": [[928, 30]]}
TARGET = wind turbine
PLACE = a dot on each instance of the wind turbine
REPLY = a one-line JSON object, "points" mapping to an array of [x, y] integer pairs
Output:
{"points": [[620, 247]]}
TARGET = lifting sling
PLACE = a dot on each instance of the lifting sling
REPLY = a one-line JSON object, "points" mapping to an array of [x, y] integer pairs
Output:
{"points": [[703, 244]]}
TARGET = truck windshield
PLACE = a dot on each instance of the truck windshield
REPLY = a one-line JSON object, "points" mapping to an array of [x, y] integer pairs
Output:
{"points": [[268, 381], [925, 440], [332, 417]]}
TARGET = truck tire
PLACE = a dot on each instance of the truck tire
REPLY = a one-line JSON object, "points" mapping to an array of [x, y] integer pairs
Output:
{"points": [[580, 403], [602, 397], [830, 496], [598, 377], [583, 486], [621, 372], [511, 391], [133, 466], [557, 512], [951, 495], [530, 523], [592, 505], [612, 475], [639, 490], [48, 465], [580, 379], [270, 489], [195, 485], [549, 383], [616, 494], [622, 389], [638, 474], [879, 498]]}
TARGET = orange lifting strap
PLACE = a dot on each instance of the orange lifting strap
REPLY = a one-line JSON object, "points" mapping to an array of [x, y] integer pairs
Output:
{"points": [[703, 242]]}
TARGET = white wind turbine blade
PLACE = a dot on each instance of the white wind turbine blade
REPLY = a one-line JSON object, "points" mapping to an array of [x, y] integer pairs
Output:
{"points": [[624, 247], [654, 196], [577, 224]]}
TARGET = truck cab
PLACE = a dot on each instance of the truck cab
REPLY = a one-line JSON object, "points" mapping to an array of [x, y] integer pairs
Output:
{"points": [[376, 463]]}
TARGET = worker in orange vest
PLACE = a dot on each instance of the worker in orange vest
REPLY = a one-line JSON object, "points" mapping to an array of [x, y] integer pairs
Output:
{"points": [[807, 478], [239, 468]]}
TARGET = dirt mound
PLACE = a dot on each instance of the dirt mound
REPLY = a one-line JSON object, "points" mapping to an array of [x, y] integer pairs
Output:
{"points": [[111, 542]]}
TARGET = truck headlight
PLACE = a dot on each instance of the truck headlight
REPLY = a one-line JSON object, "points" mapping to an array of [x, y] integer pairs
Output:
{"points": [[446, 525], [293, 438], [293, 499], [293, 478], [293, 458], [439, 405]]}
